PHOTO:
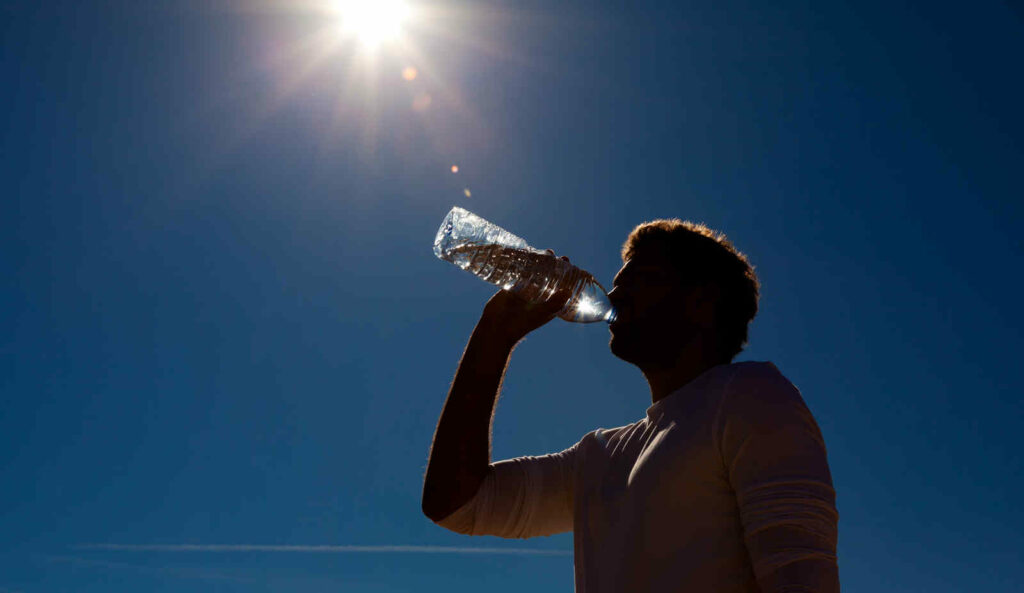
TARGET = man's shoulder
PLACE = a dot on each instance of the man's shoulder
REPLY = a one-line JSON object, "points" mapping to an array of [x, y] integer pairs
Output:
{"points": [[760, 390], [729, 381], [754, 369], [759, 376]]}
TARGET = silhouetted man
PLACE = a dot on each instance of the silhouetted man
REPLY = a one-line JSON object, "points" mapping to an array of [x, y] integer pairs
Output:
{"points": [[722, 487]]}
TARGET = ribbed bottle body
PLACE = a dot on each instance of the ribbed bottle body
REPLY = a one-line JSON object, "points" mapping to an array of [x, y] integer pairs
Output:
{"points": [[503, 259]]}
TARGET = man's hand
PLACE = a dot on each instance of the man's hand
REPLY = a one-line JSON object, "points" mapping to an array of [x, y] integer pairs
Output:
{"points": [[511, 317]]}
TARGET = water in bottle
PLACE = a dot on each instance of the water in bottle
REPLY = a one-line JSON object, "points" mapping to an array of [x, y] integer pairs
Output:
{"points": [[503, 259]]}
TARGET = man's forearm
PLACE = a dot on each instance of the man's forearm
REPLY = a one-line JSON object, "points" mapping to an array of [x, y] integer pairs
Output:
{"points": [[460, 455]]}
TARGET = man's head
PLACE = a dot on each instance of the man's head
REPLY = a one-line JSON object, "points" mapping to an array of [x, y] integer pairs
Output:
{"points": [[681, 282]]}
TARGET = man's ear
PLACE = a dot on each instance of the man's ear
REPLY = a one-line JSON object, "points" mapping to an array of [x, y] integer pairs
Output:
{"points": [[702, 305]]}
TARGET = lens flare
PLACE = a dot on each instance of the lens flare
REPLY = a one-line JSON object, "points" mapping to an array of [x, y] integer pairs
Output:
{"points": [[421, 102]]}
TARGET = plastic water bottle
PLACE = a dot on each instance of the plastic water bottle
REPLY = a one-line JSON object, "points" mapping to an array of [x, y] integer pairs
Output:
{"points": [[503, 259]]}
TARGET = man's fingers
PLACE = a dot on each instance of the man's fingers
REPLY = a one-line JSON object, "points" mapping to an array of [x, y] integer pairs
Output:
{"points": [[552, 252]]}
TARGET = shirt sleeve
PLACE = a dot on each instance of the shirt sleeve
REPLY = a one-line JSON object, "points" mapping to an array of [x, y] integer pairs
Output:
{"points": [[776, 461], [520, 498]]}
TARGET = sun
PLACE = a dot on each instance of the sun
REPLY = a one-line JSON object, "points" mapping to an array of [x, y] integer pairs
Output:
{"points": [[373, 21]]}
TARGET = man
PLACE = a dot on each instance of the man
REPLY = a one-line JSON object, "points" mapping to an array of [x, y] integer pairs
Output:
{"points": [[722, 487]]}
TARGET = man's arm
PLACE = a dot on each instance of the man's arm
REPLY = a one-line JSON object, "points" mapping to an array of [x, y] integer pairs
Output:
{"points": [[777, 466], [461, 452]]}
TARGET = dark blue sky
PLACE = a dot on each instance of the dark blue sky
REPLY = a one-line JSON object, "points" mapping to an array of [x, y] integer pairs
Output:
{"points": [[222, 323]]}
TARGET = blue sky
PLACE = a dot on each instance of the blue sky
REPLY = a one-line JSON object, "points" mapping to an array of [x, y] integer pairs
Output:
{"points": [[225, 342]]}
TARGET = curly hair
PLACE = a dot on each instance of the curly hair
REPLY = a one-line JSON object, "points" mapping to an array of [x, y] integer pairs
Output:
{"points": [[702, 255]]}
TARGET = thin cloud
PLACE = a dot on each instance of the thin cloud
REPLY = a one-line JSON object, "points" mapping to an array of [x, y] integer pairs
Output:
{"points": [[183, 572], [318, 549]]}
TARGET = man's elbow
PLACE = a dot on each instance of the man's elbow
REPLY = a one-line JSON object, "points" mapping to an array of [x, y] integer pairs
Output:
{"points": [[459, 520], [432, 508], [439, 504], [442, 498]]}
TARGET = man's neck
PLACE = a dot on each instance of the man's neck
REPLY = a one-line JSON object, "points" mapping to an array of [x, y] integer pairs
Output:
{"points": [[691, 362]]}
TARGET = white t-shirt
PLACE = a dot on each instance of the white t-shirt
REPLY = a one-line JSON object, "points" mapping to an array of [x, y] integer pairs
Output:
{"points": [[724, 481]]}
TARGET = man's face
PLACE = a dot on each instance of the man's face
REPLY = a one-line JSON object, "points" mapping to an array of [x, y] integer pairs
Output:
{"points": [[650, 302]]}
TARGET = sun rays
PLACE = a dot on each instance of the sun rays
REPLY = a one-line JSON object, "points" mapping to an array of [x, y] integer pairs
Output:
{"points": [[371, 73]]}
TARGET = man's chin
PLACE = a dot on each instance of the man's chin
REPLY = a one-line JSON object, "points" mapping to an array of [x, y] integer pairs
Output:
{"points": [[620, 348], [640, 352]]}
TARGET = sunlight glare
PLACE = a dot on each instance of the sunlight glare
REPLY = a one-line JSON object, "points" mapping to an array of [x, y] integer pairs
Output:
{"points": [[373, 21], [586, 307]]}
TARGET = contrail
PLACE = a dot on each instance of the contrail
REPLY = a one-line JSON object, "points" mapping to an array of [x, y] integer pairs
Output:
{"points": [[318, 549]]}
